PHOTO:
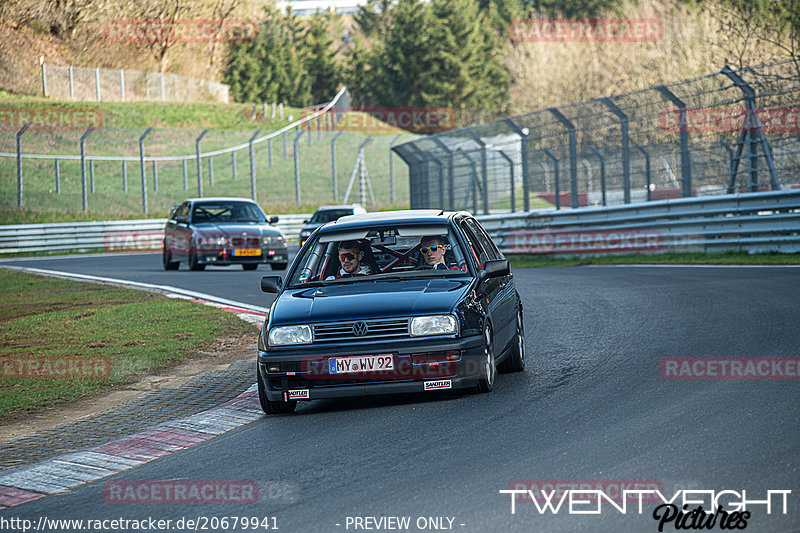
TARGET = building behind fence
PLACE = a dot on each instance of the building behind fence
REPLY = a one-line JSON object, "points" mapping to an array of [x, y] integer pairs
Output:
{"points": [[106, 85], [733, 130]]}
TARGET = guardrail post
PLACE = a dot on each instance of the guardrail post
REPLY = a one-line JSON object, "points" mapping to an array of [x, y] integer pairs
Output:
{"points": [[124, 176], [556, 165], [155, 176], [573, 155], [19, 162], [391, 170], [199, 164], [297, 166], [753, 124], [58, 177], [686, 163], [253, 192], [602, 171], [511, 172], [83, 168], [646, 166], [484, 171], [210, 171], [626, 154], [333, 166], [523, 140], [233, 164], [143, 171], [185, 181], [451, 178], [91, 176]]}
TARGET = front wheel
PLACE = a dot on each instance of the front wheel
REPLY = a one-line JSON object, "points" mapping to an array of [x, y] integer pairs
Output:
{"points": [[193, 263], [489, 369], [267, 405], [166, 259]]}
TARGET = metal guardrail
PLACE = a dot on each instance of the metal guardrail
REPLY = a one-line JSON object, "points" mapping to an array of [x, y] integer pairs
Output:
{"points": [[117, 235], [752, 222]]}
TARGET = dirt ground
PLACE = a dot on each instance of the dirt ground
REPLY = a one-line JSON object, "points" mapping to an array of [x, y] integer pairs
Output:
{"points": [[220, 356]]}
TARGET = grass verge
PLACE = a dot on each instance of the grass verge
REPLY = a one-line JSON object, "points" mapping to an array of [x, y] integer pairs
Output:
{"points": [[114, 335], [669, 258]]}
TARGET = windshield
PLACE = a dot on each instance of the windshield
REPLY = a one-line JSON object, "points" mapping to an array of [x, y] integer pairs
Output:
{"points": [[378, 252], [329, 215], [221, 212]]}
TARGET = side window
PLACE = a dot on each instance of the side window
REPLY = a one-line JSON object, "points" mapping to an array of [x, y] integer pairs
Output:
{"points": [[182, 211], [484, 239], [475, 248]]}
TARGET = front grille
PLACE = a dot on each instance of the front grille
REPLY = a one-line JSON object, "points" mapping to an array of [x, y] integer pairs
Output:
{"points": [[245, 242], [376, 329]]}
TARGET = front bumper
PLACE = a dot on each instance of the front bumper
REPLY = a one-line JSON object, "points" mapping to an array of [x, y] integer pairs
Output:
{"points": [[227, 256], [416, 363]]}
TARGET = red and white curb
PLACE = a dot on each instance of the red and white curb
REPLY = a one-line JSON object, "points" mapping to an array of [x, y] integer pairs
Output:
{"points": [[30, 482]]}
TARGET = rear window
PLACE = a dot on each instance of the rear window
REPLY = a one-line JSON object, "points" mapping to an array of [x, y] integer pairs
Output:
{"points": [[381, 251]]}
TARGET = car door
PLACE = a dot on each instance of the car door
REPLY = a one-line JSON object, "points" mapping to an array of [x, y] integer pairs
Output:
{"points": [[505, 301], [182, 232]]}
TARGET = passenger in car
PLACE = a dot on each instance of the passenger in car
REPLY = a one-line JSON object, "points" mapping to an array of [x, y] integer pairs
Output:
{"points": [[351, 256]]}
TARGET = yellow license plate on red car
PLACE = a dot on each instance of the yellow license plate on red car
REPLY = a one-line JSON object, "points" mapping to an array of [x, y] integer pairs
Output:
{"points": [[247, 252]]}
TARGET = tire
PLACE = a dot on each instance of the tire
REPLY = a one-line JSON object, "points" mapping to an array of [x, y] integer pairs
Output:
{"points": [[249, 266], [278, 266], [488, 366], [193, 264], [516, 361], [166, 259], [268, 406]]}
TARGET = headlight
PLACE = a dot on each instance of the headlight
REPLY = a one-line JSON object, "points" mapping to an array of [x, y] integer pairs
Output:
{"points": [[222, 241], [269, 240], [287, 335], [305, 233], [434, 325]]}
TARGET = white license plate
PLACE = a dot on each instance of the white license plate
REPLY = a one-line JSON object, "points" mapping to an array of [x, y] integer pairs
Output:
{"points": [[365, 363]]}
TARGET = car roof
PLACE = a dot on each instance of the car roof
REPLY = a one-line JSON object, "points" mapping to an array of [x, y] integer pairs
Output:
{"points": [[348, 206], [413, 216], [220, 199]]}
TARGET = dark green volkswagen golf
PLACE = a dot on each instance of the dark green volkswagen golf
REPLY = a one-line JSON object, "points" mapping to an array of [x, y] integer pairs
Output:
{"points": [[390, 302]]}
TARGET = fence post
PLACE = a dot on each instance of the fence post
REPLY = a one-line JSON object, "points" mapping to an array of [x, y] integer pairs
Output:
{"points": [[626, 155], [269, 152], [253, 165], [573, 155], [161, 81], [646, 166], [556, 165], [71, 84], [210, 171], [199, 165], [473, 189], [19, 163], [122, 84], [124, 176], [285, 150], [97, 82], [155, 176], [142, 169], [233, 164], [441, 182], [44, 76], [91, 176], [523, 139], [602, 171], [58, 177], [391, 166], [185, 181], [297, 166], [309, 132], [511, 171], [451, 187], [686, 163], [83, 168], [333, 167], [484, 170]]}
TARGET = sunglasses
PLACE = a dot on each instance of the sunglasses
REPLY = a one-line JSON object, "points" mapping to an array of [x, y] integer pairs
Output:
{"points": [[348, 256], [432, 248]]}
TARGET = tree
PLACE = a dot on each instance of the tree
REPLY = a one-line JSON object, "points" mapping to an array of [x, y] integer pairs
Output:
{"points": [[320, 59]]}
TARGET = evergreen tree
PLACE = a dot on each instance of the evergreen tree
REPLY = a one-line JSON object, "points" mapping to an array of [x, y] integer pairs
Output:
{"points": [[320, 61]]}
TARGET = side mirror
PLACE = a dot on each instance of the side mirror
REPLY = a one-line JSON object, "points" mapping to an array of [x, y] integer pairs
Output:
{"points": [[172, 210], [272, 284], [305, 221], [495, 268], [273, 219]]}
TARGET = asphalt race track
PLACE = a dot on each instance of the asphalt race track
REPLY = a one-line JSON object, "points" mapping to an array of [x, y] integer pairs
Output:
{"points": [[592, 405]]}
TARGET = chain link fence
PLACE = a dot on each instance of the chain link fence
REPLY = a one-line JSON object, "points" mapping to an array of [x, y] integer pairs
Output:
{"points": [[733, 130], [104, 85]]}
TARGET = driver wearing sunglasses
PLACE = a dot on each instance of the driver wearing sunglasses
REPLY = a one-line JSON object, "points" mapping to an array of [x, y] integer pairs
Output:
{"points": [[351, 256], [433, 250]]}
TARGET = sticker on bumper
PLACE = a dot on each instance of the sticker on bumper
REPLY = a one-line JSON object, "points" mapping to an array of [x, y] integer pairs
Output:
{"points": [[437, 385], [300, 394]]}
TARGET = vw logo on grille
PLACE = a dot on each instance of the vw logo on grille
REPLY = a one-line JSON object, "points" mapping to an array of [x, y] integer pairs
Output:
{"points": [[360, 329]]}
